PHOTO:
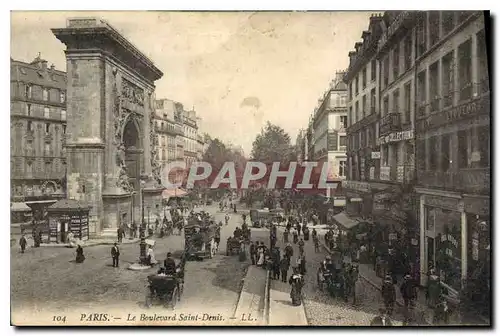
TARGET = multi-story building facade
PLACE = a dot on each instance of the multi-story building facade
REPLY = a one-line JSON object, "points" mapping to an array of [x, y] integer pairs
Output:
{"points": [[191, 145], [38, 129], [300, 146], [426, 167], [329, 124], [453, 151], [169, 127]]}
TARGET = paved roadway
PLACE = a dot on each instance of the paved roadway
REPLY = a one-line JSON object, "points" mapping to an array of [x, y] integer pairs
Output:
{"points": [[320, 308], [46, 282]]}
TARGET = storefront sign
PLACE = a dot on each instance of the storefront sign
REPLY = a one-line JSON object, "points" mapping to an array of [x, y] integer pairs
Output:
{"points": [[356, 199], [457, 113], [355, 185], [396, 137], [375, 155], [385, 173], [442, 202]]}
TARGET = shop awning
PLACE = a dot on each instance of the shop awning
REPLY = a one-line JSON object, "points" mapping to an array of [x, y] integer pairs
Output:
{"points": [[19, 207], [343, 220], [177, 192]]}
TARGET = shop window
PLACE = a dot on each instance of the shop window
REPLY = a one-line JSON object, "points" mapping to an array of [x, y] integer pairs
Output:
{"points": [[444, 226]]}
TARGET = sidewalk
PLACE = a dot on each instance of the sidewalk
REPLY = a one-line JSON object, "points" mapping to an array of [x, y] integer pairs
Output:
{"points": [[249, 310], [368, 273], [281, 310], [85, 243]]}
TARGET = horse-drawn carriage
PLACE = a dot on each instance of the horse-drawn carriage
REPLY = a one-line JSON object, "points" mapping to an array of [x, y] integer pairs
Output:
{"points": [[199, 235], [233, 246], [165, 289]]}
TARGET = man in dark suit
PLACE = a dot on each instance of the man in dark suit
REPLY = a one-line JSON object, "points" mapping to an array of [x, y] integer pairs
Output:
{"points": [[170, 266], [115, 254]]}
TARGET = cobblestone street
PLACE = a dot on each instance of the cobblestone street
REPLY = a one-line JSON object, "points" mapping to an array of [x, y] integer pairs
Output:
{"points": [[47, 280], [323, 310]]}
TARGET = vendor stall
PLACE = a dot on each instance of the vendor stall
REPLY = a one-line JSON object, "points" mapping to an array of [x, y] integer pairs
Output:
{"points": [[20, 218], [67, 216]]}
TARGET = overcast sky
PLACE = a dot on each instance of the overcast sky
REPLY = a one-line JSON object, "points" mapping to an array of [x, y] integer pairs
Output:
{"points": [[237, 69]]}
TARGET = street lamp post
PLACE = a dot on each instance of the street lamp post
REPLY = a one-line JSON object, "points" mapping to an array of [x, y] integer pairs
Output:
{"points": [[142, 232]]}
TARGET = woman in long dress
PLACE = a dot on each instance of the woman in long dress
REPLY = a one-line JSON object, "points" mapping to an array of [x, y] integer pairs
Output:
{"points": [[260, 254], [79, 255], [297, 282]]}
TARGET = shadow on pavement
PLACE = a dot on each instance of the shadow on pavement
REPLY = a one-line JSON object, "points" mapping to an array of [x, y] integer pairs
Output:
{"points": [[226, 270]]}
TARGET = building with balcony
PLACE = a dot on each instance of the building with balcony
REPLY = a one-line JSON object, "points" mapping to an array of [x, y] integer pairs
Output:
{"points": [[329, 123], [381, 147], [38, 130], [300, 146], [453, 150], [191, 144], [169, 129]]}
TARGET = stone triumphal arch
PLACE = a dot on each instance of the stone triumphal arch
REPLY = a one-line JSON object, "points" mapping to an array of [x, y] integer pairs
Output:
{"points": [[110, 129]]}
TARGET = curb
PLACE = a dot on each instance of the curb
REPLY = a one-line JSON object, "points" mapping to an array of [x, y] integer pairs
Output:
{"points": [[267, 299], [90, 244], [241, 291]]}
